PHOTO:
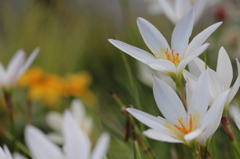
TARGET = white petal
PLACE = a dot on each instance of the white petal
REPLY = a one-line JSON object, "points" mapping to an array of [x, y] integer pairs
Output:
{"points": [[199, 6], [76, 142], [188, 94], [215, 84], [146, 76], [54, 121], [237, 120], [201, 38], [29, 61], [151, 36], [215, 109], [2, 154], [196, 66], [181, 8], [2, 74], [56, 138], [182, 32], [101, 147], [7, 152], [87, 124], [153, 8], [78, 110], [161, 136], [168, 102], [16, 61], [14, 67], [135, 52], [167, 8], [224, 68], [200, 97], [39, 146], [151, 121], [192, 135], [162, 65], [197, 52], [18, 156], [234, 110], [235, 86], [210, 130], [191, 80]]}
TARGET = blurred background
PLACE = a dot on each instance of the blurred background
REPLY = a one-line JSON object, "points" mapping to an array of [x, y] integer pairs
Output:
{"points": [[76, 54]]}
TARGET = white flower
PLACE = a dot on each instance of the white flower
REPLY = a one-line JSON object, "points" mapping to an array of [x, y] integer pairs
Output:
{"points": [[153, 7], [220, 80], [179, 125], [54, 120], [234, 112], [18, 156], [16, 67], [5, 153], [172, 60], [176, 9], [76, 143]]}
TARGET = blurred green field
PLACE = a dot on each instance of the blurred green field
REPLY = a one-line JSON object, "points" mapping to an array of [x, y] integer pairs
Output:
{"points": [[72, 36]]}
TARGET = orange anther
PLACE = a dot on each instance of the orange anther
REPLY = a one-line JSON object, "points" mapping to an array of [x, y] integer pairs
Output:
{"points": [[183, 128]]}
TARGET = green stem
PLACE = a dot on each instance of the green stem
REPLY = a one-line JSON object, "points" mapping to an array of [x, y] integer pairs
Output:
{"points": [[228, 130], [137, 149], [142, 139], [235, 148], [9, 103], [18, 144], [195, 154], [133, 83], [180, 90]]}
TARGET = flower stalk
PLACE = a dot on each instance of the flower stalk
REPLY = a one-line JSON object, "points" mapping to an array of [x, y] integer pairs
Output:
{"points": [[207, 154], [10, 107], [142, 140], [228, 130], [227, 127], [18, 144], [180, 90]]}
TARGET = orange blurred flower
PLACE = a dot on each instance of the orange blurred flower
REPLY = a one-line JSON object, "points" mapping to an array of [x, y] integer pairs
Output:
{"points": [[50, 88]]}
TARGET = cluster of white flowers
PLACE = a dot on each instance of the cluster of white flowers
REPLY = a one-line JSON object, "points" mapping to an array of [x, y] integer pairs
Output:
{"points": [[194, 119], [191, 116]]}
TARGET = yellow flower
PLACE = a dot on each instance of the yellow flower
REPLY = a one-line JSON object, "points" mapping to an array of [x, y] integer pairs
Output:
{"points": [[42, 86], [50, 88], [77, 85]]}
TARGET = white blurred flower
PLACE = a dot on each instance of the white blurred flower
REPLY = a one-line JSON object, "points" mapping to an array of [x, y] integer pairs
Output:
{"points": [[153, 7], [76, 142], [172, 60], [16, 67], [176, 9], [220, 80], [6, 154], [18, 156], [234, 112], [179, 125], [54, 120]]}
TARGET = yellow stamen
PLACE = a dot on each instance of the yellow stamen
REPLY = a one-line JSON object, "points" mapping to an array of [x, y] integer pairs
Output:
{"points": [[174, 59], [183, 128]]}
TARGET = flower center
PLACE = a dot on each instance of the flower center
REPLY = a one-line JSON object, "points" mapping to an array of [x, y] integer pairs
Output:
{"points": [[183, 128], [173, 57]]}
